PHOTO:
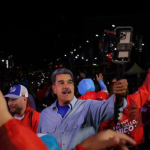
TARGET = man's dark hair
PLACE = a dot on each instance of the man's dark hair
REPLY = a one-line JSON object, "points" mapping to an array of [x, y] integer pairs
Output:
{"points": [[60, 71]]}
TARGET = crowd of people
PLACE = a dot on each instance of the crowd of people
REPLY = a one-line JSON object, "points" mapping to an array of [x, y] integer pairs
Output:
{"points": [[68, 114]]}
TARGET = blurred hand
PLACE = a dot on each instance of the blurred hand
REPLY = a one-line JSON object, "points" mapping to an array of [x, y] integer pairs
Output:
{"points": [[99, 77], [4, 113], [106, 139], [120, 87]]}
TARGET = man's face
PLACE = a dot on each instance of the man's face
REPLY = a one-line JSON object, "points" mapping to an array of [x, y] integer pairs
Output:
{"points": [[64, 89], [16, 105]]}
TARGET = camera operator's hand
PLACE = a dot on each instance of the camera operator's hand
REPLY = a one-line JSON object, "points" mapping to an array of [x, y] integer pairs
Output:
{"points": [[120, 87], [106, 139]]}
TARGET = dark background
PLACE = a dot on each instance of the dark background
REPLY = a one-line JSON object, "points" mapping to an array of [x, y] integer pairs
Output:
{"points": [[39, 35]]}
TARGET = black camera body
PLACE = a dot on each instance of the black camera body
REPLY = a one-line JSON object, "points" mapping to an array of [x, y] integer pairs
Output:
{"points": [[118, 44]]}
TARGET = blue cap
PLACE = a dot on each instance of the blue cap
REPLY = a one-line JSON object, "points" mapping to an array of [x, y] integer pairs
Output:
{"points": [[86, 85], [17, 91]]}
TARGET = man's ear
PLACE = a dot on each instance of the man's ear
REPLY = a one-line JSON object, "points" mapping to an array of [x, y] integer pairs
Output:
{"points": [[54, 89], [25, 100]]}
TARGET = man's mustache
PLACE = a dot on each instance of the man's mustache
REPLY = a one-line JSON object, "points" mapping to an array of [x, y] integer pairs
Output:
{"points": [[66, 91]]}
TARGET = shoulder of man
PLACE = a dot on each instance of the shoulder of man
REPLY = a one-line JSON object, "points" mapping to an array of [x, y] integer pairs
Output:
{"points": [[49, 109], [32, 111]]}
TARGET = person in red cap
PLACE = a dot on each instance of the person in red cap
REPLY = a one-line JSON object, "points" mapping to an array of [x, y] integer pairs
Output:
{"points": [[19, 107]]}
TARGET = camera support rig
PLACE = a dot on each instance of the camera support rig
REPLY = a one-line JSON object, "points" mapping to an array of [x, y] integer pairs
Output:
{"points": [[118, 44]]}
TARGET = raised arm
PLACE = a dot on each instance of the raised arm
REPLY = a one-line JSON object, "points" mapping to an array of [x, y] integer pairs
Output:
{"points": [[99, 79]]}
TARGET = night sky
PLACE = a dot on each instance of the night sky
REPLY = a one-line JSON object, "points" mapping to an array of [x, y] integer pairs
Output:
{"points": [[37, 34]]}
